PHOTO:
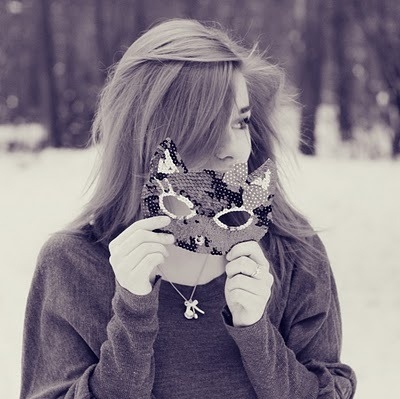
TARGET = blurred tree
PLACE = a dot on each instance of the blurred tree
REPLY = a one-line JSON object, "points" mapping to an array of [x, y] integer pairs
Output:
{"points": [[78, 72], [47, 77], [341, 44], [311, 59], [379, 20], [18, 90], [117, 23], [103, 53]]}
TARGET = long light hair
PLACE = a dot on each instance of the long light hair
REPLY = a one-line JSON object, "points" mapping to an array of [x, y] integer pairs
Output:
{"points": [[176, 81]]}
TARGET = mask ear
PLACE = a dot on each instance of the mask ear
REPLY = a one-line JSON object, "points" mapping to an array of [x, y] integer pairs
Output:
{"points": [[166, 160], [265, 176]]}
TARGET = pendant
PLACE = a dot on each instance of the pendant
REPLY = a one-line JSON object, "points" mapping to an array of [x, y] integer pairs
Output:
{"points": [[191, 307]]}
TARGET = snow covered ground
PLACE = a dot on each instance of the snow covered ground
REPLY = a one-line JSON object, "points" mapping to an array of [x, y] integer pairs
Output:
{"points": [[353, 202]]}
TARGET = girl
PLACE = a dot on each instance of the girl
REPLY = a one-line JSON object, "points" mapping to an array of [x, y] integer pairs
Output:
{"points": [[121, 306]]}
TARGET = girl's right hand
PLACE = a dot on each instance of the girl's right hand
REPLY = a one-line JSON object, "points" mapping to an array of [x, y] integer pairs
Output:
{"points": [[137, 251]]}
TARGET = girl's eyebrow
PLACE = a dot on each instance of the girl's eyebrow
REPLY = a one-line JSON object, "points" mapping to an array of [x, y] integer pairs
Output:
{"points": [[245, 109]]}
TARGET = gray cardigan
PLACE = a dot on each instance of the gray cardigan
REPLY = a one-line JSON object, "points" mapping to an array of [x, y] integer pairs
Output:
{"points": [[87, 337]]}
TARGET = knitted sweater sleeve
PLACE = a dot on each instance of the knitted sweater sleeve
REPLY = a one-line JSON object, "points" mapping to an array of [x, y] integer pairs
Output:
{"points": [[67, 296], [302, 358]]}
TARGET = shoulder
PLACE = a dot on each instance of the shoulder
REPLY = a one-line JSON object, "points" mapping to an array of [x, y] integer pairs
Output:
{"points": [[301, 264], [314, 274], [300, 257], [73, 264], [71, 247], [311, 282], [65, 241], [73, 285]]}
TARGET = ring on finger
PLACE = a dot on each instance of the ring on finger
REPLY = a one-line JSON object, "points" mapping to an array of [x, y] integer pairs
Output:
{"points": [[258, 268]]}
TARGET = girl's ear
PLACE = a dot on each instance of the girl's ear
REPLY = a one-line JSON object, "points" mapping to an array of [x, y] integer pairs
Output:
{"points": [[166, 160], [265, 176]]}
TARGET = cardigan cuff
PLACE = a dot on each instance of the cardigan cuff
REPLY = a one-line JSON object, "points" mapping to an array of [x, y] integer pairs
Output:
{"points": [[137, 305]]}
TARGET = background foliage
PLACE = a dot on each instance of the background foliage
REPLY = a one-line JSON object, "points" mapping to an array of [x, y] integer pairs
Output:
{"points": [[54, 56]]}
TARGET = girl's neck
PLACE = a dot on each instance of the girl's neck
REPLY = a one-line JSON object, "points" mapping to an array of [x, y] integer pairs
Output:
{"points": [[184, 267]]}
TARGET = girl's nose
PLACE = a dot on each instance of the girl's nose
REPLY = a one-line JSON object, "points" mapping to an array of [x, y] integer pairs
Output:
{"points": [[235, 147]]}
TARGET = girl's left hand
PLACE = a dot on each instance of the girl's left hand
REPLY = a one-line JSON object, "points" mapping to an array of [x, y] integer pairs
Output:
{"points": [[248, 284]]}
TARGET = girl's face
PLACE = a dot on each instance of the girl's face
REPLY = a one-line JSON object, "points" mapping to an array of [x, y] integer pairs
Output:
{"points": [[236, 143]]}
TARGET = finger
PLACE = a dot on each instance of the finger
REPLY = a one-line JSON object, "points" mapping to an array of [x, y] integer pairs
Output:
{"points": [[150, 261], [149, 224], [242, 297], [139, 254], [245, 283], [143, 236], [248, 248], [243, 265], [145, 268]]}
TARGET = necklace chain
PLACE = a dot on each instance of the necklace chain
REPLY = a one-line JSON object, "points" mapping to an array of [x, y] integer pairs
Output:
{"points": [[191, 305]]}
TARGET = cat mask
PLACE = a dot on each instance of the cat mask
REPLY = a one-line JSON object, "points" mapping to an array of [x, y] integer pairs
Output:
{"points": [[216, 209]]}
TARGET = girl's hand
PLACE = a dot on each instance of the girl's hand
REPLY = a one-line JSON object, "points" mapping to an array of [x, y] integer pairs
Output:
{"points": [[137, 251], [248, 284]]}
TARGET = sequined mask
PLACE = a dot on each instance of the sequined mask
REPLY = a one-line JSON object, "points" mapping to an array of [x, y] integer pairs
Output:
{"points": [[217, 210]]}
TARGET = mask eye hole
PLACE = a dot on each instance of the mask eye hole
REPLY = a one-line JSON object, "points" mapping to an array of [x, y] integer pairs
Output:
{"points": [[177, 206], [233, 219]]}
